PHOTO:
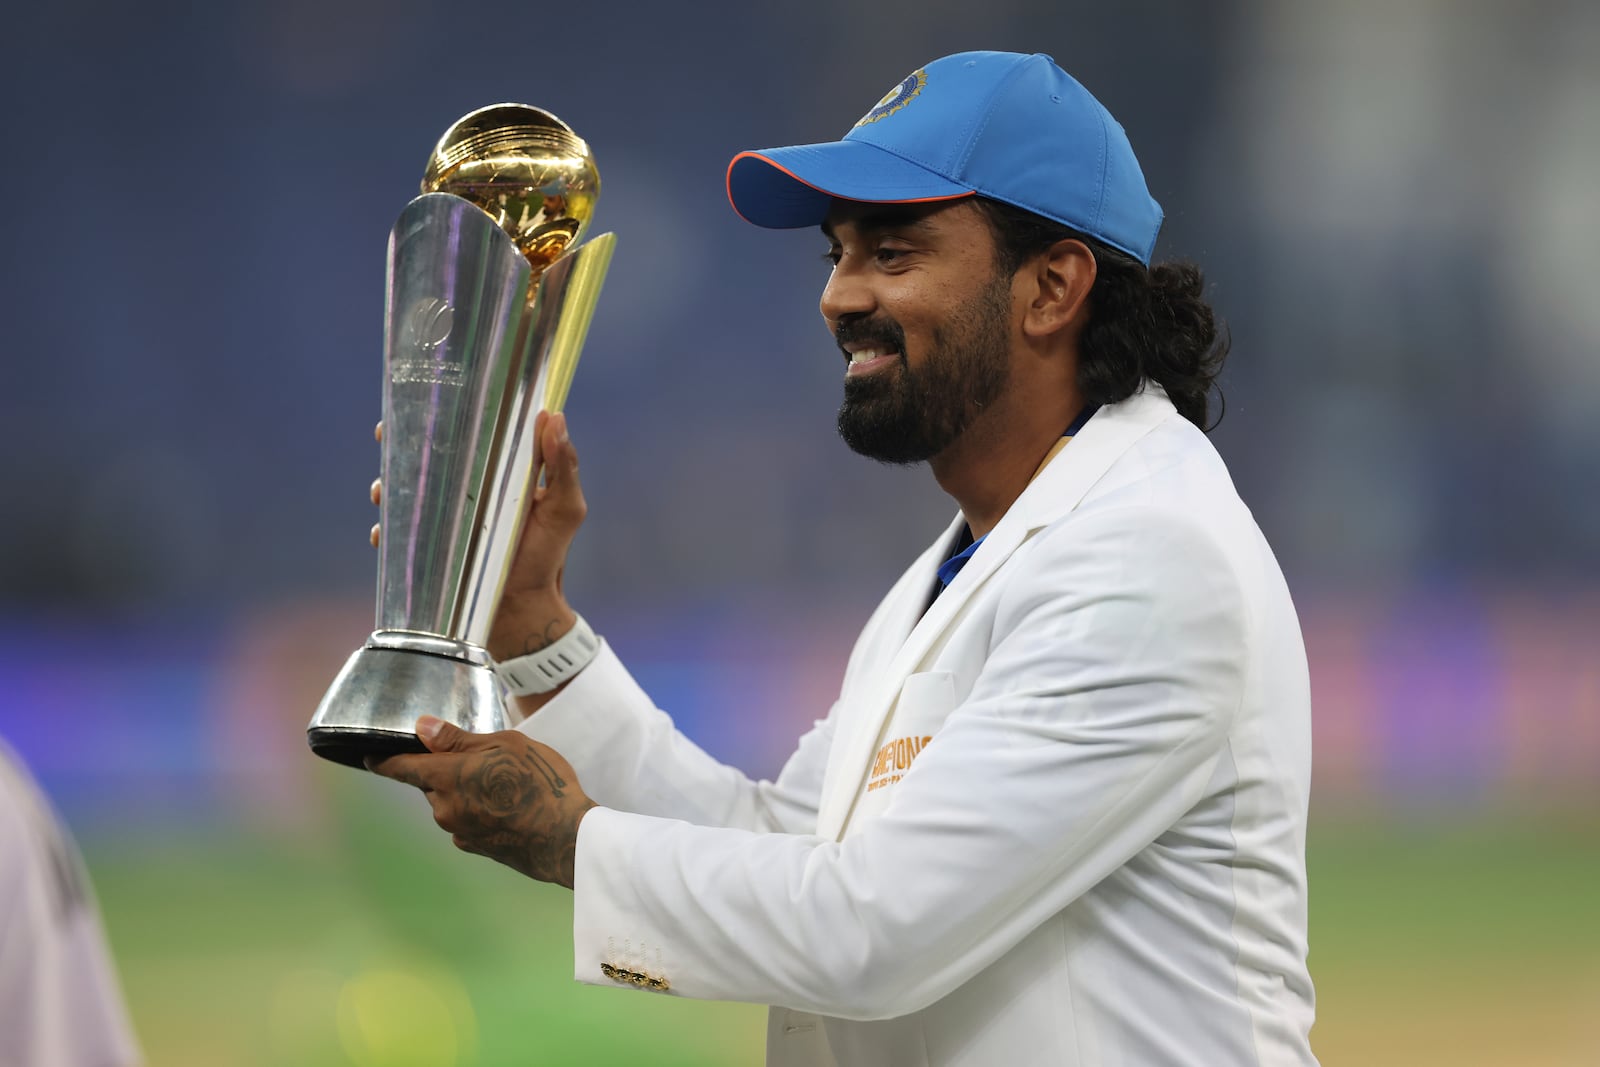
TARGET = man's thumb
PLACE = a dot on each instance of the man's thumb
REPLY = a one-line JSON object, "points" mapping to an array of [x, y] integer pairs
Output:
{"points": [[439, 735]]}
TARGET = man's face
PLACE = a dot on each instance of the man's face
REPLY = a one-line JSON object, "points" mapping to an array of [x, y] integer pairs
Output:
{"points": [[925, 319]]}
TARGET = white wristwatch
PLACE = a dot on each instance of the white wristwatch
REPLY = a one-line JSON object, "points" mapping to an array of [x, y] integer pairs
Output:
{"points": [[547, 669]]}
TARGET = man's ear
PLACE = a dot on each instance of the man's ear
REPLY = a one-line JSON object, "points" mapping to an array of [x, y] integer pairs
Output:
{"points": [[1059, 281]]}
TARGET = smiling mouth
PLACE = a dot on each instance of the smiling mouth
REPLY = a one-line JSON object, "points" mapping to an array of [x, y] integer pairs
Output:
{"points": [[864, 361], [867, 355]]}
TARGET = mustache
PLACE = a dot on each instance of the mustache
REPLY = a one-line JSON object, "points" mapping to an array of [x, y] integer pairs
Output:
{"points": [[885, 333]]}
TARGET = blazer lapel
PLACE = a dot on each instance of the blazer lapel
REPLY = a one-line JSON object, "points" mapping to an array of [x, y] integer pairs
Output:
{"points": [[891, 626], [1054, 492]]}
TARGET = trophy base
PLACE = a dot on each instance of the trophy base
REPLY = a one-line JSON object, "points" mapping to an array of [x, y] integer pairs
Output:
{"points": [[352, 746], [376, 699]]}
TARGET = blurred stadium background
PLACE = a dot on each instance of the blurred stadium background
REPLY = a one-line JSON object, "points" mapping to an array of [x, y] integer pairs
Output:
{"points": [[1396, 203]]}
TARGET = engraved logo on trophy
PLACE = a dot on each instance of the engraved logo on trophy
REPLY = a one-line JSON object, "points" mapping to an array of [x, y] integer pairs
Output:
{"points": [[505, 197], [430, 322], [425, 329]]}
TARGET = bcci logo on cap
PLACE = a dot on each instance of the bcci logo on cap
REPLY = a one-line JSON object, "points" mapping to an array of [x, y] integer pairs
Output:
{"points": [[896, 98]]}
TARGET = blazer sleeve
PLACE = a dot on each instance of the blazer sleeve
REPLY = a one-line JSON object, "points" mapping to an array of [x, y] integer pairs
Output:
{"points": [[629, 756], [1115, 670]]}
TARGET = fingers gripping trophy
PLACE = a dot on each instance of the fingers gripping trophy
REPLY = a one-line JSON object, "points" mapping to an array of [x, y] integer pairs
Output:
{"points": [[489, 299]]}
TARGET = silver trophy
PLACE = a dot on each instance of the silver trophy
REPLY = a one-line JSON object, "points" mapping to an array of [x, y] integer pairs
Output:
{"points": [[487, 307]]}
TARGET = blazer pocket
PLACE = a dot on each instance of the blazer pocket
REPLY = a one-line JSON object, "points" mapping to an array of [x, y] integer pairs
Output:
{"points": [[925, 701]]}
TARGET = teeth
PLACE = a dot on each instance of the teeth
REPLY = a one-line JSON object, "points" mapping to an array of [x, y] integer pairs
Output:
{"points": [[864, 355]]}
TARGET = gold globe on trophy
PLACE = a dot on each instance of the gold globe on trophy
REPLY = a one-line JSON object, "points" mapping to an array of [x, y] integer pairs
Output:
{"points": [[527, 169]]}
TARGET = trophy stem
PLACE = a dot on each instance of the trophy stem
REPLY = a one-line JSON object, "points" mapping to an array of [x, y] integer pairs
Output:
{"points": [[565, 297]]}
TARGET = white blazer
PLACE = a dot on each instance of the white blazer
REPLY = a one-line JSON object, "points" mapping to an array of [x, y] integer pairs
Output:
{"points": [[1058, 817]]}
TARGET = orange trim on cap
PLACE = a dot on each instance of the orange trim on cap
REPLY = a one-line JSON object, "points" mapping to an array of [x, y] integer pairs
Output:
{"points": [[728, 183]]}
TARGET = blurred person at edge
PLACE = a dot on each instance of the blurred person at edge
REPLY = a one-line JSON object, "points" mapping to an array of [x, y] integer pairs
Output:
{"points": [[1057, 815], [60, 1005]]}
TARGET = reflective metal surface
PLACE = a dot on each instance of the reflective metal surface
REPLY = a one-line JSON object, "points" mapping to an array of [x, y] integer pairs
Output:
{"points": [[407, 641], [526, 169], [455, 346], [373, 703], [486, 314], [563, 307]]}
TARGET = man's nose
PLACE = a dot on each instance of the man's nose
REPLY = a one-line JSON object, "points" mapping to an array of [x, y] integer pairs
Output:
{"points": [[847, 293]]}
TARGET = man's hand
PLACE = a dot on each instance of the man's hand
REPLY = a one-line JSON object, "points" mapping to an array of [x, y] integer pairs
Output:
{"points": [[501, 795], [533, 610], [554, 515]]}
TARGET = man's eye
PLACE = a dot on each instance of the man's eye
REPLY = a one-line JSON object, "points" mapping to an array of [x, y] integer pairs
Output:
{"points": [[831, 257], [888, 255]]}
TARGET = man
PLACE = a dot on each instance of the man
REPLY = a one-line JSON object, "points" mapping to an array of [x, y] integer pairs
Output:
{"points": [[59, 1001], [1057, 815]]}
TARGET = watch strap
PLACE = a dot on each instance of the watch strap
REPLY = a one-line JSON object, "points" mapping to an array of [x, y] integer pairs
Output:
{"points": [[548, 668]]}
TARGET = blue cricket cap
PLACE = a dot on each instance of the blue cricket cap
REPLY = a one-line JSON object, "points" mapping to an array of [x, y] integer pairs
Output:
{"points": [[1006, 126]]}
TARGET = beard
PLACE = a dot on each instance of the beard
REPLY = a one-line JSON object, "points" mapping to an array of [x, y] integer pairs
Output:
{"points": [[905, 415]]}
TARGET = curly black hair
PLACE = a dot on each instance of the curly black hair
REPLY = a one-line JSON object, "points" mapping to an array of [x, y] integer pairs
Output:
{"points": [[1143, 323]]}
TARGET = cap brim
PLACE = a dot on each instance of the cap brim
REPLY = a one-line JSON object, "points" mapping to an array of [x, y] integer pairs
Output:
{"points": [[787, 188]]}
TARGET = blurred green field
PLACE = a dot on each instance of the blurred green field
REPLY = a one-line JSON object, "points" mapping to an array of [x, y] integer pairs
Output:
{"points": [[372, 942]]}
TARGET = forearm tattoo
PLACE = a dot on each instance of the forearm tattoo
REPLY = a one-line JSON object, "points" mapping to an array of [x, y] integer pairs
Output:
{"points": [[540, 641]]}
